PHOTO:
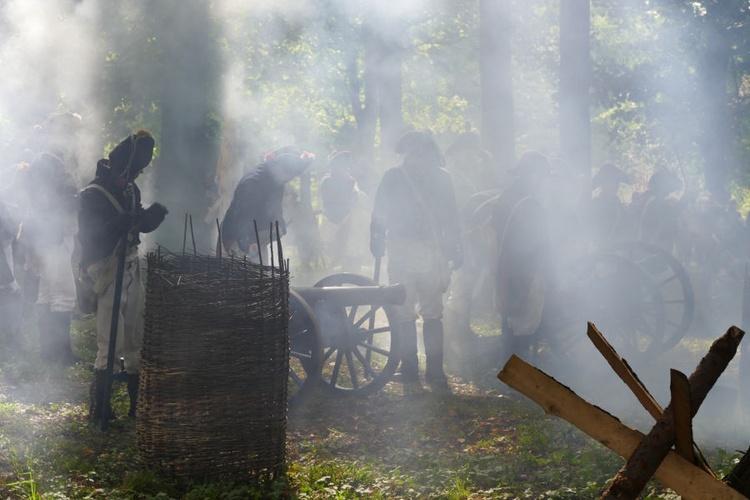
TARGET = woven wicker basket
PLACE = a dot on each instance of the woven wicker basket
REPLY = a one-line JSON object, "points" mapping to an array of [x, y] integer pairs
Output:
{"points": [[215, 362]]}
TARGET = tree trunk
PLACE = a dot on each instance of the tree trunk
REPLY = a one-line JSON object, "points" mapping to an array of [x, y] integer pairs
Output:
{"points": [[368, 123], [498, 125], [575, 84], [390, 55], [188, 145], [716, 136]]}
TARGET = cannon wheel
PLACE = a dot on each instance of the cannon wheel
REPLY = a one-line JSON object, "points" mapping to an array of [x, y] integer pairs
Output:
{"points": [[673, 282], [360, 345], [617, 296], [305, 350]]}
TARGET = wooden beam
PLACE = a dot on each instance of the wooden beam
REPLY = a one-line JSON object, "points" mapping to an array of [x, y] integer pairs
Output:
{"points": [[627, 375], [683, 426], [652, 449], [623, 370], [674, 471]]}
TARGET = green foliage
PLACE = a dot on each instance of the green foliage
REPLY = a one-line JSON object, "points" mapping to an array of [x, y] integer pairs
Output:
{"points": [[25, 488]]}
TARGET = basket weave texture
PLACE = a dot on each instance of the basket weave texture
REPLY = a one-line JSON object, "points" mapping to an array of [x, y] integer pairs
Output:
{"points": [[215, 365]]}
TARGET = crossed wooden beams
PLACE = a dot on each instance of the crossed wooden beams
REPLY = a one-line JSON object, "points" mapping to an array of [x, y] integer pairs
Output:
{"points": [[683, 469]]}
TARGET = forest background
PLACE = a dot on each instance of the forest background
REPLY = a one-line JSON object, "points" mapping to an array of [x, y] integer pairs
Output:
{"points": [[639, 83]]}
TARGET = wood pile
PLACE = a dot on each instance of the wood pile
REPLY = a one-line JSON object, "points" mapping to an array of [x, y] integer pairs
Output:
{"points": [[668, 452]]}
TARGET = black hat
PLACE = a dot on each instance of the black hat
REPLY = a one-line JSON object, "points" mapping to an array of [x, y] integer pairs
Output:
{"points": [[339, 159], [532, 162], [61, 122], [420, 143], [133, 154], [290, 158], [417, 142], [609, 172], [664, 181]]}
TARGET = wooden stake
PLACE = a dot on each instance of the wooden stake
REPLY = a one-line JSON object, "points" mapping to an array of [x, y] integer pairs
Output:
{"points": [[652, 449], [623, 370], [556, 399], [627, 375], [683, 426]]}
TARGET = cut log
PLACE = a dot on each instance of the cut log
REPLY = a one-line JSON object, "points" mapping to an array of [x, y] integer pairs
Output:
{"points": [[652, 449], [627, 375], [683, 422], [623, 370], [556, 399]]}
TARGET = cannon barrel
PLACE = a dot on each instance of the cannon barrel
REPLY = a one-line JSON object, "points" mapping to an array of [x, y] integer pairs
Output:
{"points": [[350, 295]]}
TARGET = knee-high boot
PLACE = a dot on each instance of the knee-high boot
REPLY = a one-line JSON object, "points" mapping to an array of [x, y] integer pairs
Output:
{"points": [[96, 396], [433, 335], [60, 337], [133, 381], [45, 324], [409, 369]]}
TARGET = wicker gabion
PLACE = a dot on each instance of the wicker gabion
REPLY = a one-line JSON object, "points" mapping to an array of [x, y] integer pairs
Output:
{"points": [[215, 363]]}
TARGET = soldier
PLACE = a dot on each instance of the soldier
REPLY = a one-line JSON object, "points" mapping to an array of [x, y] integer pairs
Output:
{"points": [[658, 212], [343, 208], [48, 199], [606, 215], [415, 222], [111, 208], [258, 199], [10, 297], [522, 246]]}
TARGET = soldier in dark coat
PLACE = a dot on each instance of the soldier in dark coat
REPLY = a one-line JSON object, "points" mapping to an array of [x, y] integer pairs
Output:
{"points": [[522, 246], [47, 191], [658, 212], [258, 199], [111, 214], [415, 222], [343, 228], [10, 297], [607, 217]]}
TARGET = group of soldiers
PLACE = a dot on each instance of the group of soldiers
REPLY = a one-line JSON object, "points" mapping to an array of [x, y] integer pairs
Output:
{"points": [[64, 242], [450, 233], [414, 221], [440, 219]]}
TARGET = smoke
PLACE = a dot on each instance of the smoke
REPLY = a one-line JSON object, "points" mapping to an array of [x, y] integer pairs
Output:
{"points": [[270, 91], [47, 59]]}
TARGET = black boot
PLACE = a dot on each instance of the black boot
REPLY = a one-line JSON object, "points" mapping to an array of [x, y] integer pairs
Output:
{"points": [[408, 372], [10, 329], [60, 337], [46, 333], [133, 381], [432, 332], [96, 396]]}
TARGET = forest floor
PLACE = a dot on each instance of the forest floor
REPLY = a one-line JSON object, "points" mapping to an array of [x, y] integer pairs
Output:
{"points": [[483, 441]]}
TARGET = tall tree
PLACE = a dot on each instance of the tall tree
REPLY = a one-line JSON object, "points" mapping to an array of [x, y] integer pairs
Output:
{"points": [[498, 129], [575, 83], [387, 45], [717, 28], [188, 141], [716, 32]]}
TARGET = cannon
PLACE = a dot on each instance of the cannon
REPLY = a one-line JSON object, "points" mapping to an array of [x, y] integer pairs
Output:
{"points": [[343, 337], [636, 292]]}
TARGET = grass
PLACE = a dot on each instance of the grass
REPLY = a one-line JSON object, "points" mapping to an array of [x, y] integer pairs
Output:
{"points": [[483, 442]]}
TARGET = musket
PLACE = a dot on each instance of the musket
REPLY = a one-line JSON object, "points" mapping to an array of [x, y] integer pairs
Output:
{"points": [[106, 396]]}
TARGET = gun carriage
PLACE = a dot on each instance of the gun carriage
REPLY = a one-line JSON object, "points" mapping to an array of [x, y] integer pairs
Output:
{"points": [[343, 336]]}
